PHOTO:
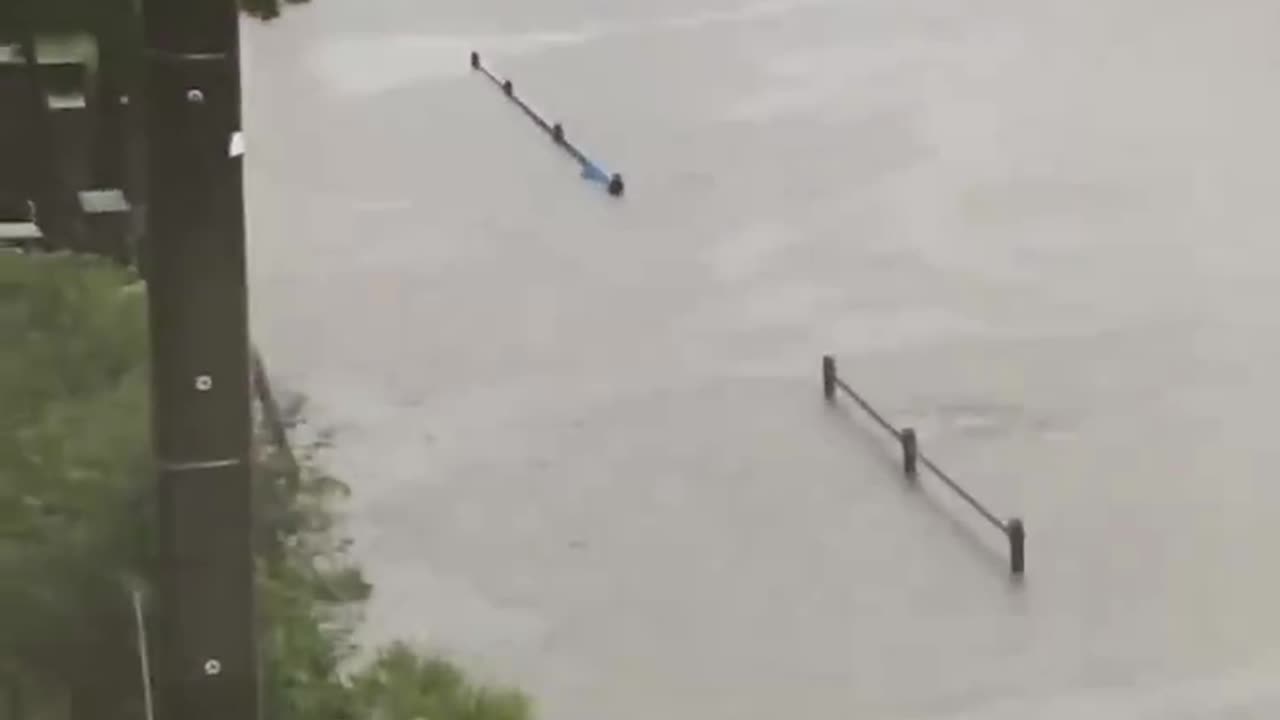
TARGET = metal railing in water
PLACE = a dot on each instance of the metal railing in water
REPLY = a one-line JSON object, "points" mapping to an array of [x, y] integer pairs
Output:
{"points": [[912, 458]]}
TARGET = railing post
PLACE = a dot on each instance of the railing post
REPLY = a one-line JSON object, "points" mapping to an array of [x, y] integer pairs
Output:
{"points": [[910, 452], [1017, 538], [829, 377]]}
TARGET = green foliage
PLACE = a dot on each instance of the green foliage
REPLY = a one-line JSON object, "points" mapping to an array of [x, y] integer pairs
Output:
{"points": [[75, 526], [310, 590], [73, 443], [402, 683]]}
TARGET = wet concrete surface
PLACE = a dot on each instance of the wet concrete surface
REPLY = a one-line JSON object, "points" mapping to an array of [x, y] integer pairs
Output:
{"points": [[586, 436]]}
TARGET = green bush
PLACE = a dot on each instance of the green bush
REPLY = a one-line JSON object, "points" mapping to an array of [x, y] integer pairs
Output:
{"points": [[76, 519]]}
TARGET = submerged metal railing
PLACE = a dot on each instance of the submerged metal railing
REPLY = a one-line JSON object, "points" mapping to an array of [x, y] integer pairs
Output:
{"points": [[591, 170], [912, 458]]}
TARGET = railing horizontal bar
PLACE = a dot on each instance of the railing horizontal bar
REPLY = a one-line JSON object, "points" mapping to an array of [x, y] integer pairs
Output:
{"points": [[944, 477], [990, 517], [867, 406]]}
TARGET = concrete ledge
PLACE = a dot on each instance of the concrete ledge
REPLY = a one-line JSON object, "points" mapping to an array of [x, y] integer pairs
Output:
{"points": [[19, 234]]}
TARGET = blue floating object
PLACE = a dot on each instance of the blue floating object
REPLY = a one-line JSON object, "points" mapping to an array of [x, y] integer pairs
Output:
{"points": [[591, 171]]}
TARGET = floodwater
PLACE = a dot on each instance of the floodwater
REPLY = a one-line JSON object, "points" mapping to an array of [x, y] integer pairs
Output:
{"points": [[586, 435]]}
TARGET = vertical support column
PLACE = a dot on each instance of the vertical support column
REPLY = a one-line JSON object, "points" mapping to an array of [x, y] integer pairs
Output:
{"points": [[1017, 540], [829, 377], [207, 660], [910, 452]]}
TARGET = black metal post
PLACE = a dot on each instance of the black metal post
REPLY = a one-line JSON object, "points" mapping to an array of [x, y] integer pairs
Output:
{"points": [[208, 667], [910, 452], [829, 377], [1017, 540]]}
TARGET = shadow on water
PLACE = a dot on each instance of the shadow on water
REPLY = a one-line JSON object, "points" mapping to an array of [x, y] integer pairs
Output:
{"points": [[989, 548]]}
